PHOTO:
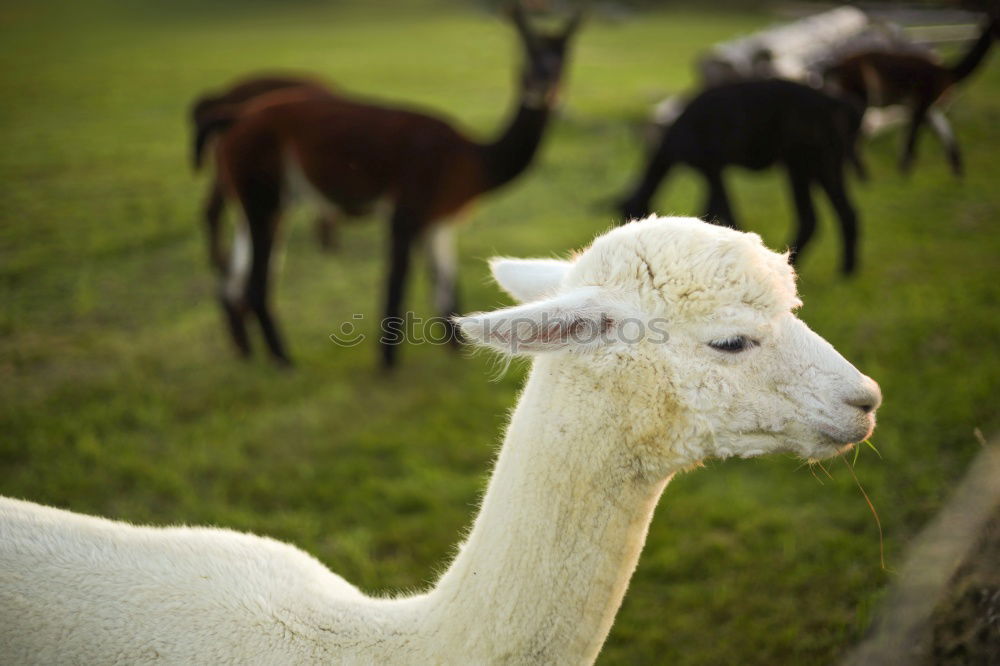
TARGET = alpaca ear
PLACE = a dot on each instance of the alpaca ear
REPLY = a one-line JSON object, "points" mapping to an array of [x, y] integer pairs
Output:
{"points": [[582, 320], [528, 279]]}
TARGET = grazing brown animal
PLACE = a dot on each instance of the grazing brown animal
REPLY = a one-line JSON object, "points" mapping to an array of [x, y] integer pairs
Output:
{"points": [[209, 109], [350, 154], [880, 79]]}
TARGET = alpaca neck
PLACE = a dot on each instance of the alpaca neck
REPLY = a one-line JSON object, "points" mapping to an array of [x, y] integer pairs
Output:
{"points": [[511, 153], [558, 536]]}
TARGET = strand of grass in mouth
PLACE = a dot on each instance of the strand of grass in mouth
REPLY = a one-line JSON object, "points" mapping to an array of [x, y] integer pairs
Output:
{"points": [[857, 450], [881, 541]]}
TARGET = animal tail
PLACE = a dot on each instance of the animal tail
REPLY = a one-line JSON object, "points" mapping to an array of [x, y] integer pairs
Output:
{"points": [[974, 57], [208, 120]]}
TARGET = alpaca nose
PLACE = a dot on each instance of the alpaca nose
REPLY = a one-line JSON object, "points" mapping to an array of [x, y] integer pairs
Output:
{"points": [[868, 399], [866, 405]]}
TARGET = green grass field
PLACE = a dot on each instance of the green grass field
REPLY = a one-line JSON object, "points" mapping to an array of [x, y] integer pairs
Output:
{"points": [[119, 394]]}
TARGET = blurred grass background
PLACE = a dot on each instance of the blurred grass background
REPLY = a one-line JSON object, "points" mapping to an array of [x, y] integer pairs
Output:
{"points": [[119, 394]]}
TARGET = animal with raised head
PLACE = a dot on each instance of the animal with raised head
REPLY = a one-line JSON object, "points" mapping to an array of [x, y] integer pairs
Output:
{"points": [[349, 154], [665, 343], [884, 78], [759, 124]]}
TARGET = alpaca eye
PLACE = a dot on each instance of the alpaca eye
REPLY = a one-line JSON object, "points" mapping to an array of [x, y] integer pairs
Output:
{"points": [[734, 344]]}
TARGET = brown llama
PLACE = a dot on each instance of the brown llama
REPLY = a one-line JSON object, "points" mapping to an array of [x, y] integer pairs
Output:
{"points": [[880, 79], [350, 154], [207, 110]]}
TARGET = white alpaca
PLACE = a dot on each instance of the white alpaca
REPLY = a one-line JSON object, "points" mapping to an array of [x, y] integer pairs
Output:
{"points": [[668, 341]]}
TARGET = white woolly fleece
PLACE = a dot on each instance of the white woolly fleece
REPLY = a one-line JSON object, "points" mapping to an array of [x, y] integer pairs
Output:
{"points": [[600, 428]]}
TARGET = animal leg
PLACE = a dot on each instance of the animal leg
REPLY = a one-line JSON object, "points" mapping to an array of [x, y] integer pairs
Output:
{"points": [[215, 205], [834, 186], [262, 216], [917, 118], [856, 161], [717, 208], [443, 263], [804, 210], [393, 327], [636, 204], [942, 128], [232, 288], [327, 231]]}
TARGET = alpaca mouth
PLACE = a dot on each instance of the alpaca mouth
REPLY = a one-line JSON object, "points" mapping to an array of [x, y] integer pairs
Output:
{"points": [[829, 447], [847, 436], [837, 441]]}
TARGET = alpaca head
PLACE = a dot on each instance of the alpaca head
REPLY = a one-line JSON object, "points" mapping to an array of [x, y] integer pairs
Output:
{"points": [[546, 56], [689, 329]]}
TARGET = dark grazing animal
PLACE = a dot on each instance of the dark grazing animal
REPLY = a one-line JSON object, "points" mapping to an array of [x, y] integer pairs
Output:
{"points": [[349, 154], [758, 124], [208, 110], [880, 78]]}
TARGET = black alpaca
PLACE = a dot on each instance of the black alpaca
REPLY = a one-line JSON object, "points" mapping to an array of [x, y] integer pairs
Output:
{"points": [[757, 124]]}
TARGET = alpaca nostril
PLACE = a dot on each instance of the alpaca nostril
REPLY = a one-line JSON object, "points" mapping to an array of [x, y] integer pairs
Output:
{"points": [[868, 399], [866, 405]]}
